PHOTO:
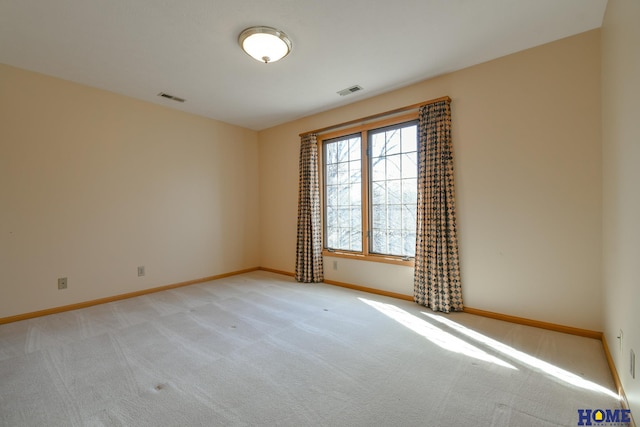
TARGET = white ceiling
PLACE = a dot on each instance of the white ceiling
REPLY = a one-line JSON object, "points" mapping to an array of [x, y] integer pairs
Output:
{"points": [[188, 48]]}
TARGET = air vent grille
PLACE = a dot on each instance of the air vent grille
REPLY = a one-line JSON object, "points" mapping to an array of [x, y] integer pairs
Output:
{"points": [[349, 90], [171, 97]]}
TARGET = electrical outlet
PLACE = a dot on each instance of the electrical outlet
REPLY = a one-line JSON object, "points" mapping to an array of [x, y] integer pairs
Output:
{"points": [[141, 271], [335, 265], [632, 363], [62, 283]]}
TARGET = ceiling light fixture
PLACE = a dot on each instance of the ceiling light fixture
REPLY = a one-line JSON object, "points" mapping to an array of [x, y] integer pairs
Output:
{"points": [[265, 44]]}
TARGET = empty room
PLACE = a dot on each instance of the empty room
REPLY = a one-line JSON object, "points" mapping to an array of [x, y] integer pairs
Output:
{"points": [[319, 213]]}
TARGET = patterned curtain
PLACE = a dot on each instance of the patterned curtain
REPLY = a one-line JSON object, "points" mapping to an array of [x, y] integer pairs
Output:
{"points": [[437, 270], [309, 247]]}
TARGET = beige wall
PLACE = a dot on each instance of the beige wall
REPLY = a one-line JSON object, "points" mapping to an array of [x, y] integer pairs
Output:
{"points": [[621, 170], [93, 184], [527, 140]]}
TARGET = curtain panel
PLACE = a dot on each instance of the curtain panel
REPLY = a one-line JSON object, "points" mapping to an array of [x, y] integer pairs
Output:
{"points": [[437, 270], [309, 268]]}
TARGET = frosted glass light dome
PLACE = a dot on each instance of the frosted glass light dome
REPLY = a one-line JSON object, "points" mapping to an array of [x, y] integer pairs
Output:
{"points": [[265, 44]]}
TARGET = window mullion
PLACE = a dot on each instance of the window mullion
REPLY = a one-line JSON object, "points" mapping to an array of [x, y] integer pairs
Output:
{"points": [[366, 211]]}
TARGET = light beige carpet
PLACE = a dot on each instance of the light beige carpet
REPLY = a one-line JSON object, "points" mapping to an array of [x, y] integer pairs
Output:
{"points": [[260, 349]]}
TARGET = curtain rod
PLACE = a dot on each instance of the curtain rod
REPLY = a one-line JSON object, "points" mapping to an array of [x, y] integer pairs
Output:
{"points": [[376, 116]]}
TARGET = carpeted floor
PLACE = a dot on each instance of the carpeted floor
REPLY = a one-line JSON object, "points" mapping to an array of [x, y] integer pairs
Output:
{"points": [[260, 349]]}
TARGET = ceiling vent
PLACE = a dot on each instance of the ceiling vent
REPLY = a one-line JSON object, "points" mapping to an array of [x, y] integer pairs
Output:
{"points": [[171, 97], [349, 90]]}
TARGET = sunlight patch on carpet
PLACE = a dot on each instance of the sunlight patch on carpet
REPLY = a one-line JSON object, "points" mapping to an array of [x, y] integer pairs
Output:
{"points": [[434, 334], [534, 362]]}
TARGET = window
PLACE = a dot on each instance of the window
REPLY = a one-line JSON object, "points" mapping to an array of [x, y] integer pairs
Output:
{"points": [[343, 193], [370, 190], [393, 189]]}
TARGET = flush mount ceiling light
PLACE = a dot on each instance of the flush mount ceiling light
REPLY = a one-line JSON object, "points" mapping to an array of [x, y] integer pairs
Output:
{"points": [[265, 44]]}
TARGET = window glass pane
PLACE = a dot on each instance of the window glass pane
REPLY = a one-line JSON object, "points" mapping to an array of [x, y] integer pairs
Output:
{"points": [[331, 174], [344, 217], [331, 156], [393, 142], [332, 237], [355, 194], [410, 165], [393, 167], [331, 216], [355, 173], [394, 192], [356, 219], [394, 216], [354, 149], [379, 217], [343, 173], [331, 195], [378, 193], [344, 195], [377, 145], [409, 243], [410, 191], [409, 217], [409, 139], [395, 242], [344, 238], [379, 242], [356, 240], [343, 151], [378, 169]]}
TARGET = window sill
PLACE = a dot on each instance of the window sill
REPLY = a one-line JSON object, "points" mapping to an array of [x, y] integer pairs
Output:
{"points": [[370, 257]]}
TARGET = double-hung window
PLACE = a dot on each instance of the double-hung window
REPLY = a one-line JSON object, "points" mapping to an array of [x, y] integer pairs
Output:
{"points": [[370, 190]]}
